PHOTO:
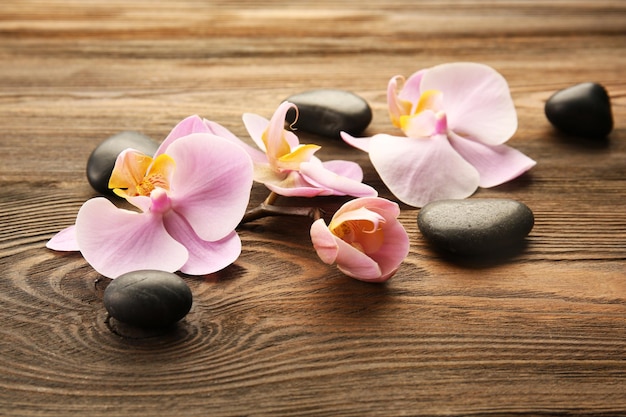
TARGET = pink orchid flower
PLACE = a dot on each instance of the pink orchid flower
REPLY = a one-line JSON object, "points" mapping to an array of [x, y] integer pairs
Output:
{"points": [[191, 196], [290, 169], [456, 118], [364, 238]]}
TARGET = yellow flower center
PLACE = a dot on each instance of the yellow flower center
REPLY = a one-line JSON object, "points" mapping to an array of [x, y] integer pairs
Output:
{"points": [[365, 235], [138, 174]]}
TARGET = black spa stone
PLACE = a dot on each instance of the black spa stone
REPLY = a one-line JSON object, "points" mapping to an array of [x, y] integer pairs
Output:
{"points": [[327, 112], [102, 159], [475, 226], [583, 110], [148, 299]]}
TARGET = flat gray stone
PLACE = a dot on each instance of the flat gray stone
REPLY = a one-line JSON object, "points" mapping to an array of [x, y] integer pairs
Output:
{"points": [[475, 226], [327, 112]]}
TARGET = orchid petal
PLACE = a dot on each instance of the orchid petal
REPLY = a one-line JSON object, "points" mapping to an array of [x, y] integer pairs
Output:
{"points": [[274, 136], [495, 164], [477, 100], [65, 240], [346, 169], [324, 242], [204, 257], [420, 170], [116, 241], [397, 107], [359, 143], [300, 154], [411, 90], [337, 184], [256, 126], [189, 125], [295, 185], [355, 263], [219, 130], [420, 125], [211, 188]]}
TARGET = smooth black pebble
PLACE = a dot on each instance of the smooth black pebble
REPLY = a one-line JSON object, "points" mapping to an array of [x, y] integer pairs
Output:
{"points": [[583, 110], [327, 112], [148, 299], [102, 160], [475, 226]]}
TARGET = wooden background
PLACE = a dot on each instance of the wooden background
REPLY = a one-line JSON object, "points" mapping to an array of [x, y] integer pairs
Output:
{"points": [[542, 331]]}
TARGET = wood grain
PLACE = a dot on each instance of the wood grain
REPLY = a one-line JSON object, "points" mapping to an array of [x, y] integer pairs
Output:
{"points": [[540, 331]]}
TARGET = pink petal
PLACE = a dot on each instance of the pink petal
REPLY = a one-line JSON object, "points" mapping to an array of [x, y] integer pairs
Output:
{"points": [[396, 245], [388, 209], [189, 125], [359, 143], [211, 184], [65, 240], [221, 131], [355, 263], [204, 257], [324, 242], [495, 164], [477, 100], [256, 125], [420, 170], [411, 90], [335, 184], [395, 249], [295, 185], [116, 241], [346, 169]]}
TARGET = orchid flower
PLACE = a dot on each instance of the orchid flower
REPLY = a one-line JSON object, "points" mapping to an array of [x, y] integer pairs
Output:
{"points": [[364, 238], [289, 168], [455, 118], [191, 195]]}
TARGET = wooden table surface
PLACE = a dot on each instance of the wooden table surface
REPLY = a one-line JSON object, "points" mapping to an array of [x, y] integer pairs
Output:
{"points": [[542, 331]]}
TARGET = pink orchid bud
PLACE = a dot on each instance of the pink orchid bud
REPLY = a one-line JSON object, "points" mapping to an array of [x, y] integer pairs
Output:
{"points": [[364, 238]]}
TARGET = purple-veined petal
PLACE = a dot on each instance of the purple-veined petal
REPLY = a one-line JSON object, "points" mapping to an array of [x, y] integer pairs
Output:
{"points": [[477, 100], [116, 241], [420, 170], [189, 125], [346, 169], [65, 240], [495, 164], [359, 143], [337, 184], [211, 184], [204, 257]]}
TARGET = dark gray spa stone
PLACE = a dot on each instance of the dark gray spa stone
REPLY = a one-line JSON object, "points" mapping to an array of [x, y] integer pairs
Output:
{"points": [[148, 298], [102, 159], [583, 110], [327, 112], [475, 226]]}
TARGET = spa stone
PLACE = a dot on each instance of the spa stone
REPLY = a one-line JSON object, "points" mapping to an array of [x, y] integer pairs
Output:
{"points": [[475, 226], [148, 298], [102, 160], [583, 110], [327, 112]]}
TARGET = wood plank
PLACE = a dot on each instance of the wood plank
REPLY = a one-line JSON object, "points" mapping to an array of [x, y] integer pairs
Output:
{"points": [[542, 331]]}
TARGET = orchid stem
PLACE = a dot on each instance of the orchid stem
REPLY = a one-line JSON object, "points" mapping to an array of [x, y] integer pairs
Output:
{"points": [[267, 209]]}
